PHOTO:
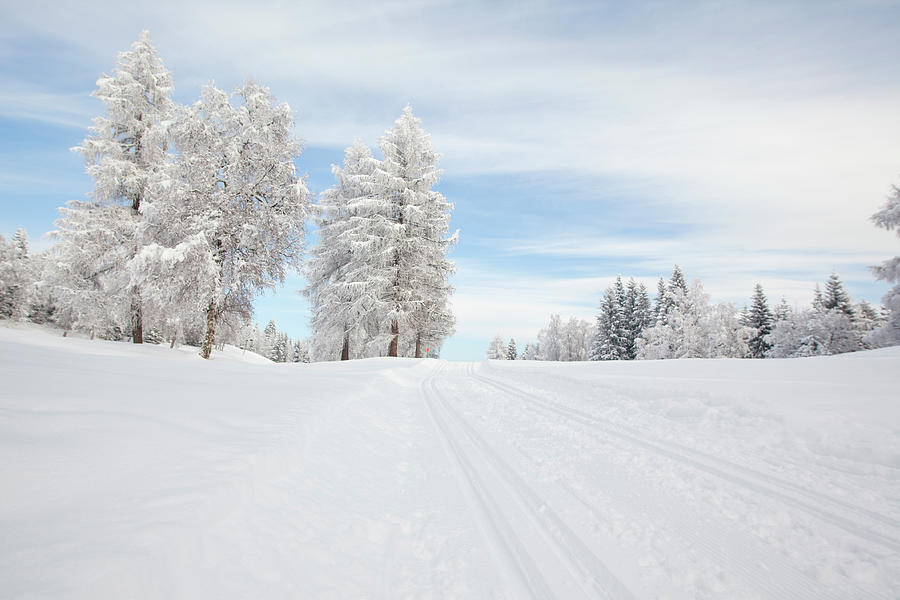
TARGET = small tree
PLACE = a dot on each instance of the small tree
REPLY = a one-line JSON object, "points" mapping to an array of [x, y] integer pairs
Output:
{"points": [[760, 318], [511, 352], [836, 297], [497, 349]]}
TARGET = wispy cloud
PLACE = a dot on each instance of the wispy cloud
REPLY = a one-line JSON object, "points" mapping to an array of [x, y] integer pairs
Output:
{"points": [[755, 138]]}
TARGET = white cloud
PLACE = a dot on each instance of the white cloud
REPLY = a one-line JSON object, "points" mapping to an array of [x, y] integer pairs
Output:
{"points": [[773, 126]]}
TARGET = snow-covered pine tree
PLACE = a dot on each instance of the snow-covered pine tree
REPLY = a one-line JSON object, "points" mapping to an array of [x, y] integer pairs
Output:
{"points": [[417, 268], [760, 318], [836, 297], [638, 315], [497, 349], [529, 353], [235, 191], [659, 303], [678, 287], [126, 148], [695, 329], [782, 311], [610, 338], [888, 218], [818, 302], [867, 319], [342, 290], [511, 352], [301, 351]]}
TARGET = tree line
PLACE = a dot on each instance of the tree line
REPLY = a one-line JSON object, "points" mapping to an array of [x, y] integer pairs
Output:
{"points": [[681, 323], [197, 209]]}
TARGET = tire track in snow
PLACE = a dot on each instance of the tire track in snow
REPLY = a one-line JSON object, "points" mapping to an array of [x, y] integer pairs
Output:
{"points": [[588, 571], [743, 479]]}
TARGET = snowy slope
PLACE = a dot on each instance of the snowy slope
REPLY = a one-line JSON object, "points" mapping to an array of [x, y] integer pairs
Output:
{"points": [[145, 472]]}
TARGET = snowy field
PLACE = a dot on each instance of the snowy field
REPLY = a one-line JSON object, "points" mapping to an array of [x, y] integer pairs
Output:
{"points": [[145, 472]]}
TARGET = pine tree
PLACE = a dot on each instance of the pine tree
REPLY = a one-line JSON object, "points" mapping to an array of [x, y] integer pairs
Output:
{"points": [[417, 267], [836, 297], [127, 148], [235, 191], [782, 311], [818, 302], [659, 302], [511, 352], [760, 318], [610, 338]]}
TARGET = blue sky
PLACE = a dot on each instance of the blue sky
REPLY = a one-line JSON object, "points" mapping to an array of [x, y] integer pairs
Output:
{"points": [[745, 141]]}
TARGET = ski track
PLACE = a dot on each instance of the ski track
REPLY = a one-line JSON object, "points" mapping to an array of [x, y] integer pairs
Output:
{"points": [[747, 471], [744, 478], [586, 571], [791, 582]]}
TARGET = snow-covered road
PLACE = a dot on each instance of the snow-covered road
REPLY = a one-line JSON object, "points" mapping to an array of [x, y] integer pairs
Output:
{"points": [[146, 472]]}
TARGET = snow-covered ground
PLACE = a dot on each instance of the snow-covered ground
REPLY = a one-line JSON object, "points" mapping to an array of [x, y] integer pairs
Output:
{"points": [[145, 472]]}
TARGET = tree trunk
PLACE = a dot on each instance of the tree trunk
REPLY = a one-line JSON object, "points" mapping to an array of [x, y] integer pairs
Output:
{"points": [[210, 330], [137, 319], [345, 351], [418, 345], [395, 341]]}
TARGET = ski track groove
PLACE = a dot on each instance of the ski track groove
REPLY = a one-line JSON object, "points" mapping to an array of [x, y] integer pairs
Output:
{"points": [[791, 583], [568, 547], [498, 530], [747, 471], [743, 480]]}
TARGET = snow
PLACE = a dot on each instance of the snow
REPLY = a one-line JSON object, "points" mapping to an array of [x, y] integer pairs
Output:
{"points": [[130, 471]]}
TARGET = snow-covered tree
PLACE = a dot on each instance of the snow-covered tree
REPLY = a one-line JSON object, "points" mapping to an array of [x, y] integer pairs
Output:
{"points": [[659, 303], [18, 276], [550, 340], [760, 318], [695, 329], [511, 352], [301, 351], [813, 332], [235, 192], [126, 148], [782, 311], [836, 297], [89, 266], [343, 289], [412, 257], [497, 349], [611, 337], [638, 316], [888, 218], [577, 337], [530, 352]]}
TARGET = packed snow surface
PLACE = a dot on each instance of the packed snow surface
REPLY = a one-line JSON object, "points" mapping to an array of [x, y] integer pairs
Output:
{"points": [[145, 472]]}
